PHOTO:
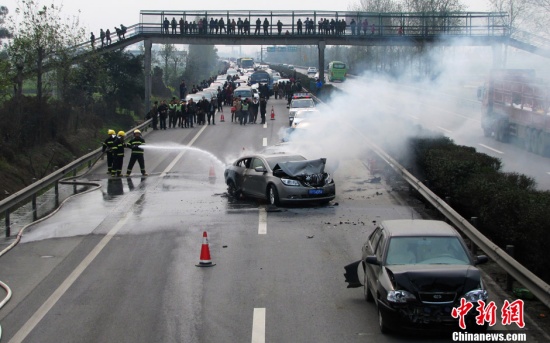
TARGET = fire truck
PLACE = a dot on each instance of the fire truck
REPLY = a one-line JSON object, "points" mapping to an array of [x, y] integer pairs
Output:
{"points": [[516, 107]]}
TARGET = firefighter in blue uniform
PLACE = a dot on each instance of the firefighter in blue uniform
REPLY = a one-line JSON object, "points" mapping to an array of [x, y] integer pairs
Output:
{"points": [[137, 153], [108, 149], [118, 154]]}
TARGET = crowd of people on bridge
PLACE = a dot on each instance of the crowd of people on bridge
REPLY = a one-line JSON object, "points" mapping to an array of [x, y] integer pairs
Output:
{"points": [[105, 36], [324, 26]]}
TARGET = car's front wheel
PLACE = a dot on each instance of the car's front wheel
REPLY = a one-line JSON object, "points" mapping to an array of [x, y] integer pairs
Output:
{"points": [[273, 195], [381, 322], [233, 190], [366, 290]]}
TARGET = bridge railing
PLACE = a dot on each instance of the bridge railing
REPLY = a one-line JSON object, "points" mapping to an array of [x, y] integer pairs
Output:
{"points": [[324, 22], [367, 24], [531, 39]]}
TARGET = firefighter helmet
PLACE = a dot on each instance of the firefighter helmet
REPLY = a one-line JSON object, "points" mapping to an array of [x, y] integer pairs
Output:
{"points": [[137, 131], [121, 133], [111, 132]]}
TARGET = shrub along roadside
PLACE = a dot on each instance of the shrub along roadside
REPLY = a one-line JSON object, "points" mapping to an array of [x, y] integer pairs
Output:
{"points": [[508, 207]]}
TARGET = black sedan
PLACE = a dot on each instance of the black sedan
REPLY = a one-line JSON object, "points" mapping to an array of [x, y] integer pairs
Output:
{"points": [[280, 178], [417, 271]]}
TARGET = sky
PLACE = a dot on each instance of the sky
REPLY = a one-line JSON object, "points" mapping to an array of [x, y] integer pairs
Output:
{"points": [[98, 14]]}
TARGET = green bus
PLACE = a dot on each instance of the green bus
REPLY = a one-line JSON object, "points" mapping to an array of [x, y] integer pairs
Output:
{"points": [[337, 71]]}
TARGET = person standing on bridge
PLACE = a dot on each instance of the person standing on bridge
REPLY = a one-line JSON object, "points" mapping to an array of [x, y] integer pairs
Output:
{"points": [[279, 27], [266, 26], [299, 27], [258, 25], [92, 40], [239, 26], [182, 25], [174, 24], [221, 25], [136, 144], [107, 37], [166, 24], [352, 25], [102, 37]]}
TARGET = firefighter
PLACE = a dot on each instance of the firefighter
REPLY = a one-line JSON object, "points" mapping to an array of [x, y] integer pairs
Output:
{"points": [[137, 153], [118, 154], [108, 149]]}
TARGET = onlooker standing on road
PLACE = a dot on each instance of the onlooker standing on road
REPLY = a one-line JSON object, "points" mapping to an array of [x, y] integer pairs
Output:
{"points": [[263, 109], [254, 108], [212, 110], [92, 40], [237, 106], [244, 112], [154, 114], [163, 113]]}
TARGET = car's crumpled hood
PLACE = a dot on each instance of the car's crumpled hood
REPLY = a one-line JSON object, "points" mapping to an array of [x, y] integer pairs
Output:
{"points": [[306, 167], [430, 278]]}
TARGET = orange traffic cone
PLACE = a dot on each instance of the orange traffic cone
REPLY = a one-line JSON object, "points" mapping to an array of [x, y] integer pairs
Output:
{"points": [[222, 118], [212, 172], [205, 260], [272, 113]]}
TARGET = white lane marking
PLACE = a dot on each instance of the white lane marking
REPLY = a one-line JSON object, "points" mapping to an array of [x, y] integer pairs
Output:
{"points": [[413, 117], [258, 326], [264, 142], [444, 129], [265, 125], [488, 147], [262, 222], [180, 155], [58, 293]]}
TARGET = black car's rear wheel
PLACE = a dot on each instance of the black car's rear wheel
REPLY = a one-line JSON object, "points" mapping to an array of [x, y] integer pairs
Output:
{"points": [[366, 290], [273, 195], [233, 190]]}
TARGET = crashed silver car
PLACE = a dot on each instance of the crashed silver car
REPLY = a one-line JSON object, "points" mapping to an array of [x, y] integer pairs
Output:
{"points": [[280, 178], [417, 271]]}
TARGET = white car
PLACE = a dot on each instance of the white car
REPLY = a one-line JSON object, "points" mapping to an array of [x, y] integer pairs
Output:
{"points": [[311, 70], [299, 101], [306, 113]]}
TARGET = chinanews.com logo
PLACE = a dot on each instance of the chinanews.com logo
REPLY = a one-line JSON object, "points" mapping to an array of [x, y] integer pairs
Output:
{"points": [[510, 313]]}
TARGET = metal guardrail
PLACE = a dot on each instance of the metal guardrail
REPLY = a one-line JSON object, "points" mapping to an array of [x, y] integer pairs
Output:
{"points": [[14, 201], [536, 285]]}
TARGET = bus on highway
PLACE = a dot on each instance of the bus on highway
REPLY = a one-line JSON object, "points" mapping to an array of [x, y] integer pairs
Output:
{"points": [[337, 71], [246, 63], [262, 76]]}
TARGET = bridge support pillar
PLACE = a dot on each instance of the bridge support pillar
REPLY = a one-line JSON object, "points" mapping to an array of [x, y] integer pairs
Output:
{"points": [[147, 71], [498, 56], [321, 68]]}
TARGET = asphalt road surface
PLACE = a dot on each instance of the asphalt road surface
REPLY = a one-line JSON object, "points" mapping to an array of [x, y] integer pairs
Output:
{"points": [[118, 264]]}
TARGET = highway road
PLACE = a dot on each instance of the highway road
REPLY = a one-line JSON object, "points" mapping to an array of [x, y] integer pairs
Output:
{"points": [[118, 264], [451, 109]]}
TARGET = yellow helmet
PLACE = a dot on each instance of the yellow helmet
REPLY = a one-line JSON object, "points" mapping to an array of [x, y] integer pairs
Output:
{"points": [[137, 131], [111, 132], [121, 133]]}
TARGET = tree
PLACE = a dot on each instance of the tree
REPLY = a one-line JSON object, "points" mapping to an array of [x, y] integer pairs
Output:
{"points": [[202, 62], [167, 51], [42, 36], [4, 31], [518, 12]]}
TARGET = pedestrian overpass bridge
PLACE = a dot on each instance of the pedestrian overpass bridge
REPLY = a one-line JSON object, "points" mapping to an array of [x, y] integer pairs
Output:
{"points": [[324, 28]]}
